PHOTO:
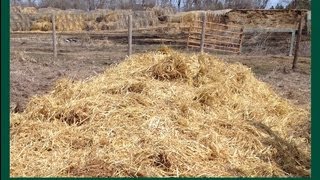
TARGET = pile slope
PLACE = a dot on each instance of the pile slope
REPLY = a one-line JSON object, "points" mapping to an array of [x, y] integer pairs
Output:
{"points": [[161, 113]]}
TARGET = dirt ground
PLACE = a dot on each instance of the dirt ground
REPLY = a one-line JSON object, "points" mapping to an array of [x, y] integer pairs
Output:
{"points": [[33, 71]]}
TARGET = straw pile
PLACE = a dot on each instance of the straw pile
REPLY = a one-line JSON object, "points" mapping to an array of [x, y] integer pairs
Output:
{"points": [[162, 114]]}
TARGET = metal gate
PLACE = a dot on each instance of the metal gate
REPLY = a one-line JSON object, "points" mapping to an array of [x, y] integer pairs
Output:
{"points": [[215, 36]]}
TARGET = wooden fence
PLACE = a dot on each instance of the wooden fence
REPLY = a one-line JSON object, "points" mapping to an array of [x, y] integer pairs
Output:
{"points": [[217, 37]]}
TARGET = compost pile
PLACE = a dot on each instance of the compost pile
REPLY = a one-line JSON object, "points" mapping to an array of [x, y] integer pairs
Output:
{"points": [[161, 113]]}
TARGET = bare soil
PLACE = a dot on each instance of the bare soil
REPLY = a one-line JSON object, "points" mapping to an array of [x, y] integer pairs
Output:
{"points": [[33, 71]]}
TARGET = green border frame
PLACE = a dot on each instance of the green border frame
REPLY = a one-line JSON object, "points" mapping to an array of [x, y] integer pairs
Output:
{"points": [[5, 87], [315, 75]]}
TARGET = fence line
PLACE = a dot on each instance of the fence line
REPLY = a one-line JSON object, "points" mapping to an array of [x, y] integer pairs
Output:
{"points": [[207, 36]]}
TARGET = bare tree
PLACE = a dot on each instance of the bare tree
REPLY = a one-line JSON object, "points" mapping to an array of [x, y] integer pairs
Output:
{"points": [[14, 2], [246, 4], [179, 4], [301, 4]]}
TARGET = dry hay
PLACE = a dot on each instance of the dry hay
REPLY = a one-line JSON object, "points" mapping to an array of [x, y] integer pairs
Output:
{"points": [[29, 10], [19, 19], [263, 19], [161, 114], [49, 10], [70, 22], [78, 20], [194, 18], [15, 9], [103, 19], [41, 26], [246, 18], [189, 17], [24, 10], [115, 20]]}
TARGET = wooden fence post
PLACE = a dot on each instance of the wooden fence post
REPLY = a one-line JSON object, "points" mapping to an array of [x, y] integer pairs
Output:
{"points": [[189, 33], [296, 51], [54, 37], [203, 31], [130, 35], [241, 40], [293, 36]]}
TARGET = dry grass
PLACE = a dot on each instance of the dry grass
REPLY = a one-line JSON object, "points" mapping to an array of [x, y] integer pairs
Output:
{"points": [[161, 114]]}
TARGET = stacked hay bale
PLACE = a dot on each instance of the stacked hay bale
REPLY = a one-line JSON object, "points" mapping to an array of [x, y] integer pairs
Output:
{"points": [[162, 114], [20, 18], [113, 20], [78, 20], [118, 19], [42, 19], [42, 23], [264, 18], [29, 10], [71, 20], [246, 18]]}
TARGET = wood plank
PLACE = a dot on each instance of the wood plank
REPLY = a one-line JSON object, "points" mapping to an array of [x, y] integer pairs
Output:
{"points": [[194, 42], [228, 37], [265, 30], [194, 46], [224, 42], [160, 40], [296, 51], [203, 31], [54, 36], [197, 38], [215, 35], [293, 37], [223, 50], [130, 35], [219, 24], [224, 31], [215, 45], [215, 49], [225, 47], [240, 41], [217, 30], [214, 41]]}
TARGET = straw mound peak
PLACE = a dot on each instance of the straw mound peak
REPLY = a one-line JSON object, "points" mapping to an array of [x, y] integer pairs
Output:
{"points": [[161, 113]]}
